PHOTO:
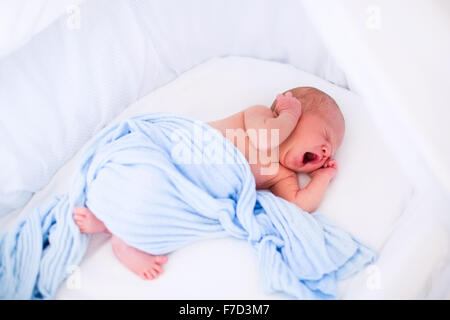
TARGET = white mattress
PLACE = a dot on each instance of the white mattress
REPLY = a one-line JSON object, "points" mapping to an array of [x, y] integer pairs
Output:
{"points": [[367, 198]]}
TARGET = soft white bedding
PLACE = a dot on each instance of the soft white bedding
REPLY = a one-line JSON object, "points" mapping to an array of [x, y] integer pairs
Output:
{"points": [[66, 83], [401, 210], [368, 198], [20, 20]]}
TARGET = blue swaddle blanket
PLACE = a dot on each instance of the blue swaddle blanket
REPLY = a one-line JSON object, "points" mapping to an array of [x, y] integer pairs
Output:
{"points": [[159, 182]]}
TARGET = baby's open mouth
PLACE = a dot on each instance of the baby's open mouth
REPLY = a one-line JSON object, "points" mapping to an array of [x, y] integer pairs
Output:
{"points": [[309, 157]]}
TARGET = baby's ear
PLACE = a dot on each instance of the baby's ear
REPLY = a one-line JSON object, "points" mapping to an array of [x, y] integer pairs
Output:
{"points": [[273, 105]]}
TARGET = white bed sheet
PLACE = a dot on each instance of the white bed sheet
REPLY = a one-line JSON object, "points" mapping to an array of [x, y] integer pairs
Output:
{"points": [[367, 198]]}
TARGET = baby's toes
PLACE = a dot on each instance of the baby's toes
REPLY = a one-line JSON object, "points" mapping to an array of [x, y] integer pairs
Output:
{"points": [[79, 219], [153, 273], [158, 269], [80, 211], [161, 259], [82, 227], [147, 275]]}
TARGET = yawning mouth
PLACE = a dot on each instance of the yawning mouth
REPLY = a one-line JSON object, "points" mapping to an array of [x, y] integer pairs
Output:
{"points": [[309, 157]]}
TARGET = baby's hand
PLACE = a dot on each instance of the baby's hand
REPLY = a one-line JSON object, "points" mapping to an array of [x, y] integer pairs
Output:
{"points": [[329, 169], [289, 103]]}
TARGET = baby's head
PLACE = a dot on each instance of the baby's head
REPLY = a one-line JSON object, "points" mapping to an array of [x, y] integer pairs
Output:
{"points": [[318, 134]]}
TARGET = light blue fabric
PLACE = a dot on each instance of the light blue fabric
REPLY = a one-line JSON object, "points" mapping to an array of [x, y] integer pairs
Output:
{"points": [[161, 181]]}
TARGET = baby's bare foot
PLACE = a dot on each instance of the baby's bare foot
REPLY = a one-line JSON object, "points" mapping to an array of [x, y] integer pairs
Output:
{"points": [[87, 221], [145, 265]]}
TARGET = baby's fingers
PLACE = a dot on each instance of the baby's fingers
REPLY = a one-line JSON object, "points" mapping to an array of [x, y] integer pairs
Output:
{"points": [[333, 163], [286, 95], [330, 163]]}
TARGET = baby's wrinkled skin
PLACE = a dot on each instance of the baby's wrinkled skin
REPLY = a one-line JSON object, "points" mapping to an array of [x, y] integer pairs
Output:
{"points": [[310, 128]]}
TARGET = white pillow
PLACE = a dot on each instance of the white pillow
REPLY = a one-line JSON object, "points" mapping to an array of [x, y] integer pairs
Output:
{"points": [[62, 87], [23, 19], [367, 196]]}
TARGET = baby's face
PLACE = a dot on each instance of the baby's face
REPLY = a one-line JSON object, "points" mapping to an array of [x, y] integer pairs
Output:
{"points": [[313, 141]]}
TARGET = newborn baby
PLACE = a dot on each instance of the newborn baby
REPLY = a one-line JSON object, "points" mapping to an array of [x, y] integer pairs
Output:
{"points": [[299, 133]]}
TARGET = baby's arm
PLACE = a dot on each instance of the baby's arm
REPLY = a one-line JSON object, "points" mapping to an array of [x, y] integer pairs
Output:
{"points": [[284, 119], [310, 197]]}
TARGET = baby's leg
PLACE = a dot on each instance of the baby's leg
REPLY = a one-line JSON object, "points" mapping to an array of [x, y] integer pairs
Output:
{"points": [[87, 221], [145, 265]]}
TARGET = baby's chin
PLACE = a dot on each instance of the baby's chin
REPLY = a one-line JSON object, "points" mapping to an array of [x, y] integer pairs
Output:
{"points": [[304, 170]]}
